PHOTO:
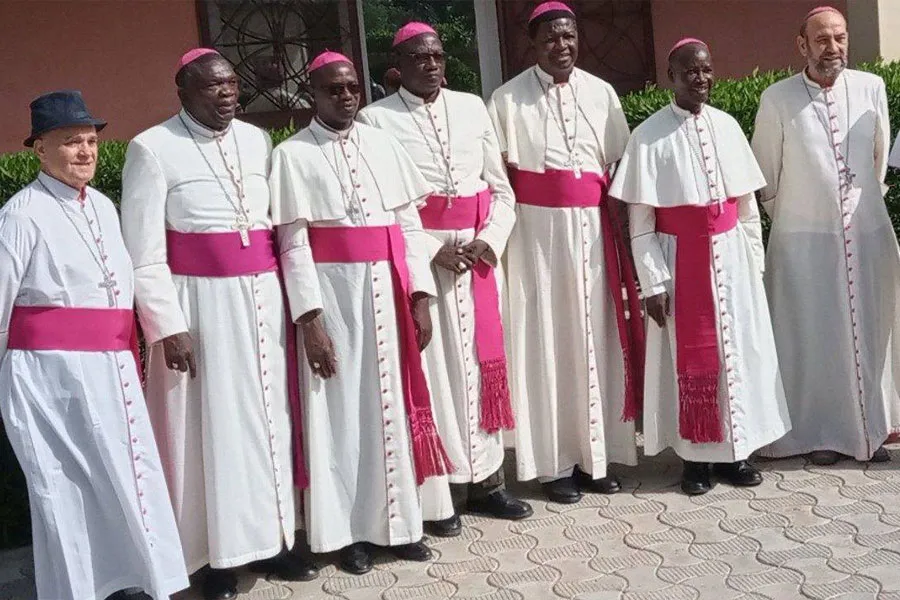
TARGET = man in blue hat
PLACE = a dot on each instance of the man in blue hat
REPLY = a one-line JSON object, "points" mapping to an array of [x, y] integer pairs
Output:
{"points": [[70, 384]]}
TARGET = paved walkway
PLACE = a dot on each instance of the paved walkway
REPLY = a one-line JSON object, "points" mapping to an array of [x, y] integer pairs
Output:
{"points": [[807, 532]]}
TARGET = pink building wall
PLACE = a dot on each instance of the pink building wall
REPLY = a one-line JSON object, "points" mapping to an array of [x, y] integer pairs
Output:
{"points": [[742, 34], [120, 53]]}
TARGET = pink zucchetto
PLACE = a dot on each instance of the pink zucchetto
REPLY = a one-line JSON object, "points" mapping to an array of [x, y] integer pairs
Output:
{"points": [[411, 30], [326, 58], [684, 42], [546, 7], [192, 55], [819, 10]]}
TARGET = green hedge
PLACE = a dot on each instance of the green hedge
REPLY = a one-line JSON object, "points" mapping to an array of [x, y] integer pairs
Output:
{"points": [[738, 97]]}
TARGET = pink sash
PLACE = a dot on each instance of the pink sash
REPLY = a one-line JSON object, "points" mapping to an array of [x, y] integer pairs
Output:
{"points": [[222, 255], [370, 244], [695, 315], [74, 330], [470, 212], [561, 189]]}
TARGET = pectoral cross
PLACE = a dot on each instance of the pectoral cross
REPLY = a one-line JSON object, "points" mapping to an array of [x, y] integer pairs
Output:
{"points": [[574, 164], [242, 224], [109, 283]]}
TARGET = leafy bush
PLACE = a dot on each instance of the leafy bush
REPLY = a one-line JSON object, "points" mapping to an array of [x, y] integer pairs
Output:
{"points": [[739, 97]]}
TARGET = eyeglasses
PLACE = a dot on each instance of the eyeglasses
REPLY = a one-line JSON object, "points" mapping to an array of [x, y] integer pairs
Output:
{"points": [[338, 89], [423, 58]]}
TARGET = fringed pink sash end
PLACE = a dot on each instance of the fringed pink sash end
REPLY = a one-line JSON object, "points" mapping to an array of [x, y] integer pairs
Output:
{"points": [[431, 459], [699, 420], [496, 406], [697, 352]]}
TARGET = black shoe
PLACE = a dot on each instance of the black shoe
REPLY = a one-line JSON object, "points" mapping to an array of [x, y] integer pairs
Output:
{"points": [[445, 528], [880, 455], [740, 473], [287, 566], [695, 478], [562, 491], [120, 595], [824, 458], [356, 558], [500, 505], [605, 485], [219, 584], [417, 551]]}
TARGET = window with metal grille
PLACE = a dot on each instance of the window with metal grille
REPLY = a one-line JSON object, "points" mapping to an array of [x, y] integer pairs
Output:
{"points": [[270, 43]]}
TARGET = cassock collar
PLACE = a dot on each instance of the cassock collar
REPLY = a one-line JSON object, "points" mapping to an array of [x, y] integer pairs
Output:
{"points": [[808, 80], [547, 78], [685, 114], [414, 100], [57, 188], [322, 130], [199, 129]]}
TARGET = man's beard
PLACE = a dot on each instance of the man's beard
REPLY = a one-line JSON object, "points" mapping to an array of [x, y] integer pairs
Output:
{"points": [[829, 69]]}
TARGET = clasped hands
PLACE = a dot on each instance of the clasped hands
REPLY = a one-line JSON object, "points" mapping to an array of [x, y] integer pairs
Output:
{"points": [[462, 257]]}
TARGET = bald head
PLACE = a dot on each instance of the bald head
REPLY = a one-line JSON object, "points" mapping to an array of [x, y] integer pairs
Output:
{"points": [[825, 44]]}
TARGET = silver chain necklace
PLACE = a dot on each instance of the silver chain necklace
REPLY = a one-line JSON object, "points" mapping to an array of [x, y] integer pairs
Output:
{"points": [[451, 190], [697, 155], [353, 209], [242, 216], [574, 161], [845, 176], [108, 282]]}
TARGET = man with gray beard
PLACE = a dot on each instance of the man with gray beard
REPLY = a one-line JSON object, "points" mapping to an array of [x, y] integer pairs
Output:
{"points": [[833, 266]]}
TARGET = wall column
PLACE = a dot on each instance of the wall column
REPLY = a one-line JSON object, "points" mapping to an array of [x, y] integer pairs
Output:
{"points": [[487, 35]]}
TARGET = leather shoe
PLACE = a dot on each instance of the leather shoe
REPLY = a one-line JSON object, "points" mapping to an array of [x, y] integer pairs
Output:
{"points": [[604, 485], [445, 528], [417, 551], [562, 490], [740, 473], [695, 478], [356, 558], [824, 458], [500, 505], [219, 584], [287, 566], [880, 455]]}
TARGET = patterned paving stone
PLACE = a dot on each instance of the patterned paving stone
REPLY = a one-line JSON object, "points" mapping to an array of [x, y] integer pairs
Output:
{"points": [[806, 533]]}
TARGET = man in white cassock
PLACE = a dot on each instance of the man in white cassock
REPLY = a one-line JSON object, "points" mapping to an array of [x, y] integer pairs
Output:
{"points": [[713, 391], [833, 266], [70, 384], [195, 215], [450, 137], [356, 266], [575, 358]]}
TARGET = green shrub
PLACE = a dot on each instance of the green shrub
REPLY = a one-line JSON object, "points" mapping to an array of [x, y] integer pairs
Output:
{"points": [[739, 97]]}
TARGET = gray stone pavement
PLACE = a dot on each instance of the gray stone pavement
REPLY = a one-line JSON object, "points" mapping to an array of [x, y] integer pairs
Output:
{"points": [[807, 532]]}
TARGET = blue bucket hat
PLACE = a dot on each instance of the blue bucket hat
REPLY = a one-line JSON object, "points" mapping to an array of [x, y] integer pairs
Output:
{"points": [[64, 108]]}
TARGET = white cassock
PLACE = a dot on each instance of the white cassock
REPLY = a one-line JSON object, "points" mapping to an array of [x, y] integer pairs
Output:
{"points": [[894, 158], [833, 268], [566, 366], [457, 125], [100, 513], [362, 482], [675, 158], [224, 437]]}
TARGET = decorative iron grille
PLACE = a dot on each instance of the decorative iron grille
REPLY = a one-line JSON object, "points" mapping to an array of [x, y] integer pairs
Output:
{"points": [[616, 40], [270, 43]]}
